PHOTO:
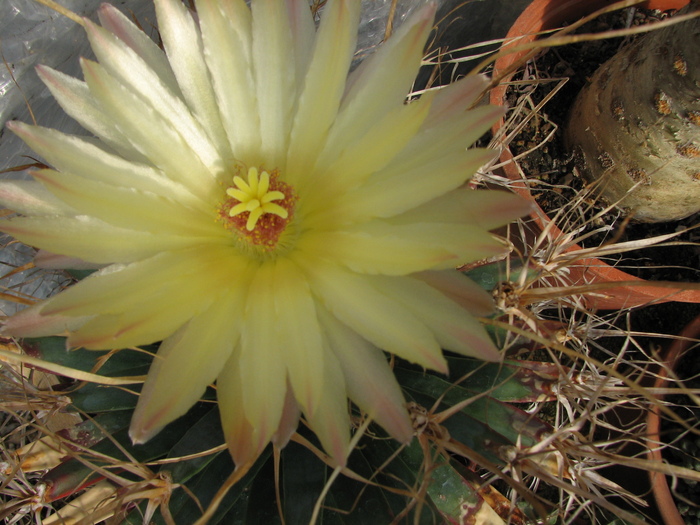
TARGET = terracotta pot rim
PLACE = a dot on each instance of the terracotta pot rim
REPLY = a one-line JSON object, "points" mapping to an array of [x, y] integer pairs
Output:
{"points": [[543, 15]]}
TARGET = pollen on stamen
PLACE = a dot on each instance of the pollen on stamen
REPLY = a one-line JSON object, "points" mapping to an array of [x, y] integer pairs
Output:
{"points": [[258, 209]]}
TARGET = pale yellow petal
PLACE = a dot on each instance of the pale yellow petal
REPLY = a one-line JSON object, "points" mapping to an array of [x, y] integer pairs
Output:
{"points": [[298, 334], [454, 328], [460, 289], [455, 98], [179, 376], [154, 136], [241, 437], [226, 36], [183, 44], [117, 23], [368, 154], [303, 31], [198, 271], [369, 380], [133, 307], [87, 158], [452, 134], [323, 87], [262, 367], [91, 239], [53, 261], [379, 319], [400, 188], [380, 84], [33, 322], [134, 75], [74, 97], [330, 421], [274, 73], [28, 197], [129, 207], [486, 209], [381, 248], [289, 420]]}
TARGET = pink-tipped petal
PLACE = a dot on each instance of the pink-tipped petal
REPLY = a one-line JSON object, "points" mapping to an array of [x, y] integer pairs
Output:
{"points": [[369, 379], [297, 334], [460, 289], [183, 44], [54, 261], [75, 98], [331, 421], [117, 23], [32, 322], [323, 87], [456, 98], [31, 198], [380, 319], [262, 368], [175, 380], [289, 420], [381, 83], [90, 239], [241, 437], [454, 328], [486, 209]]}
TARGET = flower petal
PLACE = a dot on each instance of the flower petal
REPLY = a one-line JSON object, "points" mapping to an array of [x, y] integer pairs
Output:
{"points": [[368, 377], [114, 21], [133, 74], [75, 98], [453, 327], [183, 44], [380, 84], [460, 289], [303, 32], [154, 136], [31, 198], [289, 420], [376, 317], [129, 207], [86, 158], [298, 332], [487, 209], [262, 368], [175, 380], [226, 36], [275, 84], [383, 248], [33, 322], [451, 135], [90, 239], [400, 188], [367, 155], [330, 420], [53, 261], [119, 288], [323, 87], [455, 98], [242, 438]]}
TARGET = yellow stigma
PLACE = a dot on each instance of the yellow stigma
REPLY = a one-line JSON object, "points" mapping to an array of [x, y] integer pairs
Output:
{"points": [[254, 197]]}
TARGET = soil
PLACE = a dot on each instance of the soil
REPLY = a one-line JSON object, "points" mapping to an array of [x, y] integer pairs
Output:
{"points": [[553, 166]]}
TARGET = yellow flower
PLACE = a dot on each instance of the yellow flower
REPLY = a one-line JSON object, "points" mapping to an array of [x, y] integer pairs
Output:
{"points": [[276, 222]]}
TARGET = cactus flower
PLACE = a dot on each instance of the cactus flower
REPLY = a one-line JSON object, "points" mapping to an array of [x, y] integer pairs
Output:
{"points": [[277, 221]]}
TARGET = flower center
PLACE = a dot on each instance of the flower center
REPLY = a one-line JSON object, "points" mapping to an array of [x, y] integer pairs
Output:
{"points": [[258, 209]]}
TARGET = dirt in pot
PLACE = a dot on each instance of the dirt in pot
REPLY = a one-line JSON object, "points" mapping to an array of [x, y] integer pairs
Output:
{"points": [[558, 185]]}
